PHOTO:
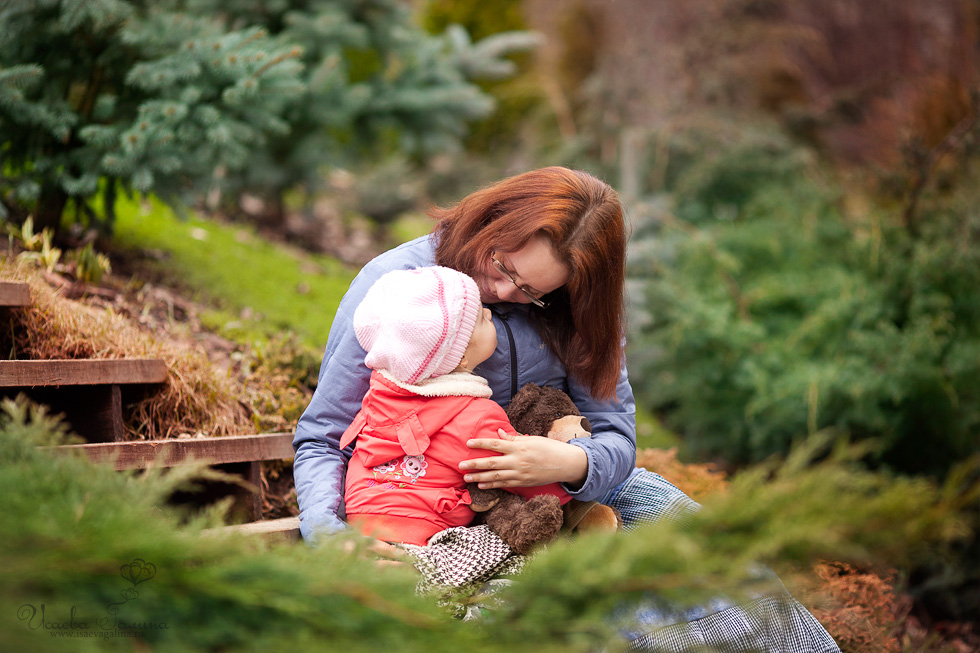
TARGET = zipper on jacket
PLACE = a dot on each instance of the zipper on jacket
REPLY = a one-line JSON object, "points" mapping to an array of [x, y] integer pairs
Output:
{"points": [[513, 350]]}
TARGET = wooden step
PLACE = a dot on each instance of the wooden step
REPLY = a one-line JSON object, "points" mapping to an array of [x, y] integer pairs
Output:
{"points": [[90, 393], [238, 455], [14, 293], [141, 454], [57, 373]]}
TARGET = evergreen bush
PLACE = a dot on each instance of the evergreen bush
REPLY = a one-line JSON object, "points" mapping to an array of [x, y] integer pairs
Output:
{"points": [[102, 95], [187, 99], [98, 557], [765, 313], [375, 83], [513, 83]]}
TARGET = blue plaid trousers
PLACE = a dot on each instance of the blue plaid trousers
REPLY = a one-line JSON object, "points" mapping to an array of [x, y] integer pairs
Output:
{"points": [[774, 622]]}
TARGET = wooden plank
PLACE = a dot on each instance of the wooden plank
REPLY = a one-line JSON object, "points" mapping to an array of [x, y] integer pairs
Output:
{"points": [[29, 374], [252, 501], [279, 530], [14, 293], [140, 454], [287, 528]]}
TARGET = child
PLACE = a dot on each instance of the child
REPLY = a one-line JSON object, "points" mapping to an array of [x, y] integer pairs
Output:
{"points": [[424, 331]]}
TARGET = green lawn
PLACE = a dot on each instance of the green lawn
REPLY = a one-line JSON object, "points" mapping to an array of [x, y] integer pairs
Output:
{"points": [[255, 287]]}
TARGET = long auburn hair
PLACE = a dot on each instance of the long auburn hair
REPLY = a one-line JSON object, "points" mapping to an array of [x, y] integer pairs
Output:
{"points": [[583, 218]]}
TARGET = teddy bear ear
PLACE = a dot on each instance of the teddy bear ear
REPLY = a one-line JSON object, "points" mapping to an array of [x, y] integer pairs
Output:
{"points": [[569, 405], [559, 400], [522, 402]]}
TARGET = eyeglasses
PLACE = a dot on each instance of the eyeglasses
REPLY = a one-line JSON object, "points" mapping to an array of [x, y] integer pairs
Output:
{"points": [[510, 277]]}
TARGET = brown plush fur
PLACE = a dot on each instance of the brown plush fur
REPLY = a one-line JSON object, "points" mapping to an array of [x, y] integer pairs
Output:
{"points": [[546, 412]]}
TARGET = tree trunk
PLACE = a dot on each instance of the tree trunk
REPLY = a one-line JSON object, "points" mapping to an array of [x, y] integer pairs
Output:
{"points": [[276, 211], [50, 206]]}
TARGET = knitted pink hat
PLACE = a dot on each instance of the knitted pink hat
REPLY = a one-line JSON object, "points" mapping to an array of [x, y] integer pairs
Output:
{"points": [[416, 324]]}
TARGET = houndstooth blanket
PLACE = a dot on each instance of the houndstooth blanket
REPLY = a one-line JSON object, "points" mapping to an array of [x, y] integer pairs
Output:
{"points": [[462, 556], [465, 567]]}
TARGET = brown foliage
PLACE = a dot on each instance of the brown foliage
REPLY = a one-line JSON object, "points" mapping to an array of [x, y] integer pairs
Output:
{"points": [[859, 80], [879, 73], [696, 480], [865, 613], [860, 609]]}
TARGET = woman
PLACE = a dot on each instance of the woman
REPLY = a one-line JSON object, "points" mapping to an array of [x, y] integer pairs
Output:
{"points": [[547, 249]]}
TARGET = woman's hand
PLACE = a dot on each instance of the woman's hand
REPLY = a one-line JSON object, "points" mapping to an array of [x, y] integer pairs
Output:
{"points": [[525, 461]]}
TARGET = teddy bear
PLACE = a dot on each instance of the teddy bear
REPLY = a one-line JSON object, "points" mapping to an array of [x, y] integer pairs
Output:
{"points": [[523, 524]]}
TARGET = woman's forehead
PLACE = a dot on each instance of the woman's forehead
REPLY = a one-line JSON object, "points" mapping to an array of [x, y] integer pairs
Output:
{"points": [[536, 265]]}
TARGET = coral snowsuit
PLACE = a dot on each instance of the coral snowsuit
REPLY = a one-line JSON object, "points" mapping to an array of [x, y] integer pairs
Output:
{"points": [[403, 482]]}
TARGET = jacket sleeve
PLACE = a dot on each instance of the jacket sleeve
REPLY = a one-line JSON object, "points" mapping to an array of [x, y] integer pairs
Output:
{"points": [[320, 465], [612, 448]]}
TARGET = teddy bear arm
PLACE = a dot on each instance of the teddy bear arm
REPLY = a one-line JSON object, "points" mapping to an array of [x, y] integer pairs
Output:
{"points": [[484, 500], [590, 516], [525, 524]]}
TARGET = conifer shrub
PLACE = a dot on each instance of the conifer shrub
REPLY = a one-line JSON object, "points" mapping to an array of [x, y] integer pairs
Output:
{"points": [[376, 84], [764, 312], [865, 610], [781, 514], [98, 559], [517, 94], [103, 96], [115, 567], [188, 101], [726, 168]]}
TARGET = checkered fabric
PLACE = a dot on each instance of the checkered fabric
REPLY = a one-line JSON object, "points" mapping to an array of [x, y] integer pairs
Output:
{"points": [[463, 567], [646, 497], [774, 622]]}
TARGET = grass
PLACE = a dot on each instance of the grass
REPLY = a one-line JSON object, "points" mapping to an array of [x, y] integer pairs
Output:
{"points": [[256, 287]]}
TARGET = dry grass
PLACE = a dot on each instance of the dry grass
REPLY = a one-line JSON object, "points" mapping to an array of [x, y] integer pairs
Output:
{"points": [[196, 398]]}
